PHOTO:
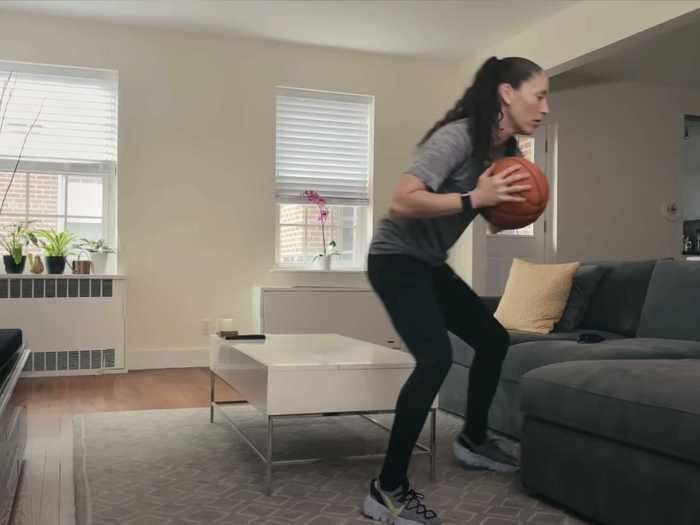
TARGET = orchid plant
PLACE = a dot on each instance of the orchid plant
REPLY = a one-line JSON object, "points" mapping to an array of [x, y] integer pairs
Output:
{"points": [[99, 246], [19, 235], [314, 198], [16, 237]]}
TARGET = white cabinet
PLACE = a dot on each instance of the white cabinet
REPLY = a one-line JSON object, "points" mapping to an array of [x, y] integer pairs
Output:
{"points": [[353, 312]]}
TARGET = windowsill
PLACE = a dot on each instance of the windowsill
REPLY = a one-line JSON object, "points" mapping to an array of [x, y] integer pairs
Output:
{"points": [[506, 234], [314, 270], [112, 276]]}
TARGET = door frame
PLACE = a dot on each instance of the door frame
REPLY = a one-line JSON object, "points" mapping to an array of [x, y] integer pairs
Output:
{"points": [[550, 215], [550, 212]]}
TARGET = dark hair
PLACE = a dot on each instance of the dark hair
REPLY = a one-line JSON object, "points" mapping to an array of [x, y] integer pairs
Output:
{"points": [[482, 106]]}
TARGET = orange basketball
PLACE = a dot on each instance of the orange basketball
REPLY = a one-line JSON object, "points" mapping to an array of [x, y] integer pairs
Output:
{"points": [[512, 215]]}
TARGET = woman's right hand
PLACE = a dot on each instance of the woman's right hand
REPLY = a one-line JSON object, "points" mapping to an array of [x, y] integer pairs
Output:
{"points": [[495, 188]]}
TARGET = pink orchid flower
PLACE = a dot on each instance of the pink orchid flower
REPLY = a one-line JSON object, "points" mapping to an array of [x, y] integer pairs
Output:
{"points": [[314, 198]]}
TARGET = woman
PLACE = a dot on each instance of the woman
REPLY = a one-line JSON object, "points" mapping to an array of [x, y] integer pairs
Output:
{"points": [[432, 205]]}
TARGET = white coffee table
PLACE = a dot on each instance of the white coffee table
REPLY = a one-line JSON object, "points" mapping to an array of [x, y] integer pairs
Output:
{"points": [[312, 375]]}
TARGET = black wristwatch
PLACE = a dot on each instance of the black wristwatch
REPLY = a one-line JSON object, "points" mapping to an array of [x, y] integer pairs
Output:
{"points": [[467, 207]]}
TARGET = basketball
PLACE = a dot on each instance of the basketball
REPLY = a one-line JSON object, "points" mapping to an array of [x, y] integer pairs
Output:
{"points": [[512, 215]]}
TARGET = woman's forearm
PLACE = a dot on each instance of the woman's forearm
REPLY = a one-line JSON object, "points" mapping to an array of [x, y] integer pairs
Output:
{"points": [[425, 204]]}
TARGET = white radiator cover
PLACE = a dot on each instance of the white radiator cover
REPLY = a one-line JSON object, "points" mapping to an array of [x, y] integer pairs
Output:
{"points": [[352, 312], [73, 324]]}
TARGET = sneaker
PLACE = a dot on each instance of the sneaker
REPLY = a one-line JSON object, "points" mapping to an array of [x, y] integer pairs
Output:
{"points": [[486, 455], [400, 507]]}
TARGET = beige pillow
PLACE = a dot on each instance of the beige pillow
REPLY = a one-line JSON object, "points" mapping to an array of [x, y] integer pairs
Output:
{"points": [[535, 295]]}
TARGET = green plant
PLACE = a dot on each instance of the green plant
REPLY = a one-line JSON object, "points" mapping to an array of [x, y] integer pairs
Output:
{"points": [[99, 246], [16, 238], [55, 244]]}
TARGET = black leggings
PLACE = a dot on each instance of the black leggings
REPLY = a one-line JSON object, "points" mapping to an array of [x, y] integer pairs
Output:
{"points": [[423, 303]]}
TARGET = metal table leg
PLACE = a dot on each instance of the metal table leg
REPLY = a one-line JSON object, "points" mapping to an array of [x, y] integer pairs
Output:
{"points": [[212, 386], [433, 444], [269, 454]]}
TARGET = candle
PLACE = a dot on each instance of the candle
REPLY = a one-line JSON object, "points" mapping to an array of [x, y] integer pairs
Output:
{"points": [[224, 324]]}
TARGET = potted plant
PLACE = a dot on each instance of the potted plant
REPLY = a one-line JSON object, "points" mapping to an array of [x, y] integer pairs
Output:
{"points": [[15, 240], [56, 247], [328, 249], [99, 253]]}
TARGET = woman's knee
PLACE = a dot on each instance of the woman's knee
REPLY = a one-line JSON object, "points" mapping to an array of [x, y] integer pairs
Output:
{"points": [[436, 367]]}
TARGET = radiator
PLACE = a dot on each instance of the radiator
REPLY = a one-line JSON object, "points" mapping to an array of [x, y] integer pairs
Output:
{"points": [[73, 324], [352, 312]]}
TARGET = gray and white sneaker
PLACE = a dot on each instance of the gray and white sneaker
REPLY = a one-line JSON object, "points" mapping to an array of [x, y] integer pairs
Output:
{"points": [[400, 507], [485, 455]]}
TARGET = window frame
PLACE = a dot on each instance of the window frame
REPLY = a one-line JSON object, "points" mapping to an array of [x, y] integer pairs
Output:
{"points": [[363, 236], [364, 232], [107, 175], [108, 219]]}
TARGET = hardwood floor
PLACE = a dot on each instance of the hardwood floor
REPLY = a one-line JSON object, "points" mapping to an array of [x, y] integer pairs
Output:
{"points": [[46, 492]]}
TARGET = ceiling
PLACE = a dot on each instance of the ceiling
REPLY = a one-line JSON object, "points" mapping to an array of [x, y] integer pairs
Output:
{"points": [[671, 58], [442, 29]]}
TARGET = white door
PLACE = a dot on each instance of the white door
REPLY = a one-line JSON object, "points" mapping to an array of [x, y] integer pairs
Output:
{"points": [[527, 243]]}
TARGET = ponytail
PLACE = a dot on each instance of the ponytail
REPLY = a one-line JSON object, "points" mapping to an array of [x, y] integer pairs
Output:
{"points": [[481, 105]]}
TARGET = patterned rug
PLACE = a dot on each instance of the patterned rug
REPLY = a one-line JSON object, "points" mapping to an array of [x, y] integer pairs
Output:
{"points": [[171, 467]]}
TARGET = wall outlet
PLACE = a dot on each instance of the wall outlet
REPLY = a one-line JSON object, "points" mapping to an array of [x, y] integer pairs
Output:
{"points": [[204, 327]]}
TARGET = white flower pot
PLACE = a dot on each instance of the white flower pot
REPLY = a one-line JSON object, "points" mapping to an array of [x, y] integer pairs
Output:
{"points": [[322, 263], [100, 263], [326, 263]]}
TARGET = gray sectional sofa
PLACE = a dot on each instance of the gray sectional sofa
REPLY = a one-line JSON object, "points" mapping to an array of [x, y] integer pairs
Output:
{"points": [[610, 429]]}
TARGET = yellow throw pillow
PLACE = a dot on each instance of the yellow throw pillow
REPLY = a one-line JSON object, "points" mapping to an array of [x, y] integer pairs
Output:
{"points": [[535, 295]]}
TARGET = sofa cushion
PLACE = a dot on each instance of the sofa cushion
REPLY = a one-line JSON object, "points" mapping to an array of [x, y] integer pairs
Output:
{"points": [[527, 356], [10, 341], [671, 305], [586, 280], [519, 336], [616, 304], [653, 404], [535, 295], [463, 354]]}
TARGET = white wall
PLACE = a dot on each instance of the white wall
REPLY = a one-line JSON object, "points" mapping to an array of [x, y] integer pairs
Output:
{"points": [[196, 150], [196, 156], [570, 36], [573, 36], [620, 158], [690, 181]]}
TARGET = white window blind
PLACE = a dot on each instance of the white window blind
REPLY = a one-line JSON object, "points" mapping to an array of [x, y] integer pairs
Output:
{"points": [[323, 144], [76, 128]]}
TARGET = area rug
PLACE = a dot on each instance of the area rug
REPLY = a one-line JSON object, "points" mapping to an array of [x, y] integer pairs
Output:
{"points": [[172, 467]]}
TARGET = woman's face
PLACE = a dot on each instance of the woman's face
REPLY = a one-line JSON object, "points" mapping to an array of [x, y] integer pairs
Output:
{"points": [[527, 105]]}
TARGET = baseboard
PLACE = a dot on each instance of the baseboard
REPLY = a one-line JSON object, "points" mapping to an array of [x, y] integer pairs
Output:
{"points": [[167, 358], [62, 373]]}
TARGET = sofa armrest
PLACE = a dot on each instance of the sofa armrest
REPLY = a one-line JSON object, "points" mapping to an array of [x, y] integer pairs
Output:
{"points": [[491, 302]]}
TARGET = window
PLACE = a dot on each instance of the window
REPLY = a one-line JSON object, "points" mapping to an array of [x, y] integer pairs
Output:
{"points": [[323, 144], [527, 147], [58, 146]]}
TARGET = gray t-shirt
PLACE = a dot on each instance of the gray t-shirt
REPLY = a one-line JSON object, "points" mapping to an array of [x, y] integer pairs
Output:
{"points": [[445, 165]]}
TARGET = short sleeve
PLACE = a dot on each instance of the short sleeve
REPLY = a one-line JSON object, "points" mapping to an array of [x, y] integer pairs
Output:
{"points": [[441, 154]]}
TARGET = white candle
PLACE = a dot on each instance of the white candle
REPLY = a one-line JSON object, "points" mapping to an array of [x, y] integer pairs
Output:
{"points": [[224, 324]]}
